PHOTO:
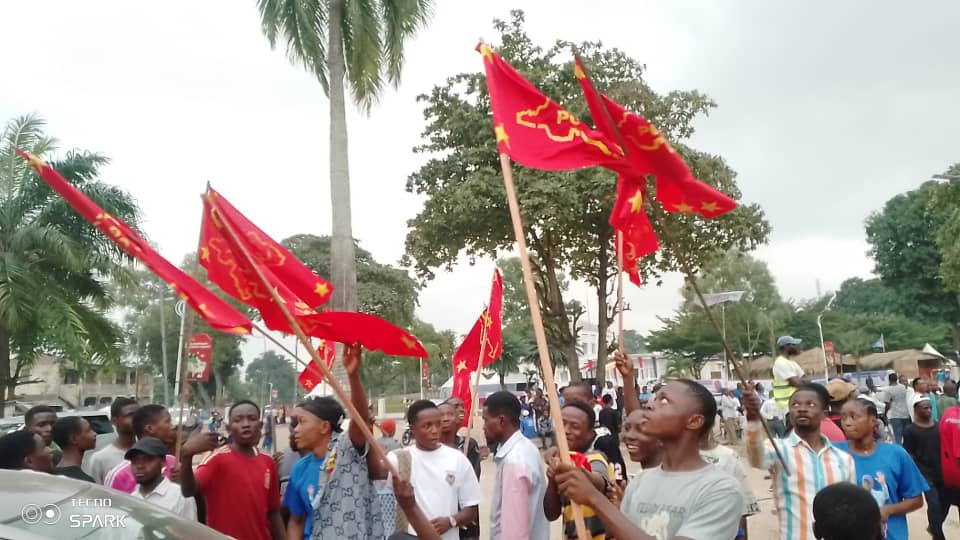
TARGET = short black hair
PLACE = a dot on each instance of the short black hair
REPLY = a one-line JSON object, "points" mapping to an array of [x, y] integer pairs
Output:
{"points": [[892, 378], [148, 414], [116, 408], [914, 383], [15, 447], [64, 428], [587, 410], [244, 402], [417, 407], [822, 395], [607, 399], [708, 404], [39, 409], [845, 511], [325, 408], [504, 403]]}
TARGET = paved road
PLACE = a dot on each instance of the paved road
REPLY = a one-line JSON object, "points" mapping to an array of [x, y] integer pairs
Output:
{"points": [[761, 527]]}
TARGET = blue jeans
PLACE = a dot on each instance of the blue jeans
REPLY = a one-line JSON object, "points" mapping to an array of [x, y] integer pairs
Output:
{"points": [[899, 425]]}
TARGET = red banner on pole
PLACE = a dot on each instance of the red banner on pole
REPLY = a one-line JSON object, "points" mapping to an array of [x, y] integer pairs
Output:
{"points": [[199, 358]]}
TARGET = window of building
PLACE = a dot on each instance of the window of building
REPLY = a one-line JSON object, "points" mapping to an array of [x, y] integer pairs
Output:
{"points": [[121, 377], [71, 376], [89, 402], [106, 400]]}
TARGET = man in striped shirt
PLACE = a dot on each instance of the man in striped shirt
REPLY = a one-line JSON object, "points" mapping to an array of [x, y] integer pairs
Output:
{"points": [[812, 462]]}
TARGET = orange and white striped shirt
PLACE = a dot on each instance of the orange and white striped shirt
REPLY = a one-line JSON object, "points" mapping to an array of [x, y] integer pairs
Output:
{"points": [[809, 472]]}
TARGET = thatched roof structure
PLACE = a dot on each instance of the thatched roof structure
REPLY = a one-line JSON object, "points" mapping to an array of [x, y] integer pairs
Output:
{"points": [[906, 362]]}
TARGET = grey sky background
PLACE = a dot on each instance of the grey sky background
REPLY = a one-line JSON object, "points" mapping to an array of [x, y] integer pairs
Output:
{"points": [[826, 110]]}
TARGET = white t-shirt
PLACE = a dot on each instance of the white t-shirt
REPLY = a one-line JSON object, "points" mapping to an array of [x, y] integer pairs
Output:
{"points": [[613, 395], [443, 482], [784, 368], [729, 406], [104, 461]]}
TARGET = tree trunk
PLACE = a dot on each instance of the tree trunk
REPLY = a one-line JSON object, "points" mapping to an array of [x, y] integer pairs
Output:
{"points": [[7, 383], [342, 257], [603, 262], [555, 309]]}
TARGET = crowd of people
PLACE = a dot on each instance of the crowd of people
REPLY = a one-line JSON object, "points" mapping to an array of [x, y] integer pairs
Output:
{"points": [[330, 483]]}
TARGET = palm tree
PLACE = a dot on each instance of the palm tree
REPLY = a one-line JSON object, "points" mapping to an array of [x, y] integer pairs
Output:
{"points": [[54, 266], [360, 41]]}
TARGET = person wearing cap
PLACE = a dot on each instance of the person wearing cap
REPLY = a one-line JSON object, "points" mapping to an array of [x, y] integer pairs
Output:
{"points": [[921, 440], [840, 391], [388, 426], [147, 459], [787, 374]]}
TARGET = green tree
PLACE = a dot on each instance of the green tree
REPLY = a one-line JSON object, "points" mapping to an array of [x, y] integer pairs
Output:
{"points": [[633, 342], [360, 44], [857, 295], [688, 339], [565, 213], [944, 202], [269, 369], [903, 243], [54, 266]]}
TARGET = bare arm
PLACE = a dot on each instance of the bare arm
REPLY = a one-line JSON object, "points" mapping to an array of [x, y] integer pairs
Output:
{"points": [[197, 443], [755, 447], [575, 485], [407, 501], [295, 527], [552, 505], [276, 525], [902, 508], [358, 395], [631, 402]]}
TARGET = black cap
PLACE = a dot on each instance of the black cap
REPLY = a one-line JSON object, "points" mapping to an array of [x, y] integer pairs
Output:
{"points": [[150, 446]]}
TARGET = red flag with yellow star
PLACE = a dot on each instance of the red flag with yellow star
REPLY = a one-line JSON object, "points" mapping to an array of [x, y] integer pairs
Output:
{"points": [[533, 130], [228, 267], [489, 329], [311, 375], [214, 310], [648, 152], [630, 221]]}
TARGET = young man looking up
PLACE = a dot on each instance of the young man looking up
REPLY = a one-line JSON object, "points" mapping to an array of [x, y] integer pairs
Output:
{"points": [[444, 481], [702, 501], [813, 462], [578, 423], [239, 482], [39, 420], [147, 458], [149, 421], [121, 416], [516, 508], [74, 437]]}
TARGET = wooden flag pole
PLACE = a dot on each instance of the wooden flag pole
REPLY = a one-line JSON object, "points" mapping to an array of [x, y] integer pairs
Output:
{"points": [[538, 332], [283, 348], [355, 415], [620, 292], [474, 398]]}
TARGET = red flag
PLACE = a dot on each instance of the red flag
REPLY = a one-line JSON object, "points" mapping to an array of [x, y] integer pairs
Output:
{"points": [[492, 319], [533, 130], [311, 375], [630, 221], [461, 389], [231, 270], [214, 310]]}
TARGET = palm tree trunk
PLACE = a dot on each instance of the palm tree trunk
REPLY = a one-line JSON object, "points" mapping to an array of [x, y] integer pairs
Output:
{"points": [[342, 267], [603, 262], [7, 383]]}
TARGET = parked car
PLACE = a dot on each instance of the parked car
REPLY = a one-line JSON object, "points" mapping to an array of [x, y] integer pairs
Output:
{"points": [[99, 422], [36, 505]]}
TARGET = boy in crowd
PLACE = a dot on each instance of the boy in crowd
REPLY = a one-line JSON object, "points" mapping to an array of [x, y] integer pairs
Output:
{"points": [[149, 421], [74, 437], [25, 450], [147, 458], [40, 420], [121, 416]]}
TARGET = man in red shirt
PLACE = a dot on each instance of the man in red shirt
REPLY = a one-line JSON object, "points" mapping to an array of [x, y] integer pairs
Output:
{"points": [[238, 482]]}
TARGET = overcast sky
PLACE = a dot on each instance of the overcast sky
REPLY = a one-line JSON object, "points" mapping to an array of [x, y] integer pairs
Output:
{"points": [[826, 110]]}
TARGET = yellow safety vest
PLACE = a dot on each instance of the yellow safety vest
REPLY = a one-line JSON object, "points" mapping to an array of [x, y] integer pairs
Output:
{"points": [[782, 389]]}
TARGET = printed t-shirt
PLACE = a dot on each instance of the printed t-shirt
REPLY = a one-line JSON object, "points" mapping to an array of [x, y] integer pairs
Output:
{"points": [[890, 476], [238, 491]]}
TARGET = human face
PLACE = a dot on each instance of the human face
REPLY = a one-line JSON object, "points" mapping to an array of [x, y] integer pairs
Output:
{"points": [[245, 425], [857, 423], [291, 438], [671, 411], [124, 422], [162, 429], [86, 438], [42, 425], [41, 460], [311, 432], [923, 411], [577, 426], [426, 429], [460, 409], [923, 386], [639, 445], [448, 418], [806, 410], [146, 468], [494, 427]]}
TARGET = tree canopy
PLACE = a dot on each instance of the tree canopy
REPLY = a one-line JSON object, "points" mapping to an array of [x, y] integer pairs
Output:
{"points": [[268, 369]]}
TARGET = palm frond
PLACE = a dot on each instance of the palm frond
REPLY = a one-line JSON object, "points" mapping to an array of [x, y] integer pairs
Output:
{"points": [[401, 20], [303, 25], [363, 50]]}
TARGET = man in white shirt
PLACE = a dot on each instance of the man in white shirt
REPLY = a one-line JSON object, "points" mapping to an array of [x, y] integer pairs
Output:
{"points": [[147, 459], [516, 507], [121, 416], [731, 416], [444, 483], [612, 392], [774, 415]]}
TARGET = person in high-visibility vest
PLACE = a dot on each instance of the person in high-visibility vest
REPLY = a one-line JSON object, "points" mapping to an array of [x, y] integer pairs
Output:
{"points": [[787, 374]]}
